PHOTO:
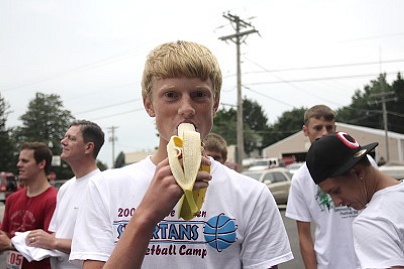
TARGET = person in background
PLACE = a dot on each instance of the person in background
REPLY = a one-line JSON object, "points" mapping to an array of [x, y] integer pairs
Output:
{"points": [[216, 147], [31, 207], [239, 224], [80, 147], [381, 161], [307, 204], [340, 167]]}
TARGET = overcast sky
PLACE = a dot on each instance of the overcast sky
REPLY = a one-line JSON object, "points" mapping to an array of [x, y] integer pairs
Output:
{"points": [[91, 53]]}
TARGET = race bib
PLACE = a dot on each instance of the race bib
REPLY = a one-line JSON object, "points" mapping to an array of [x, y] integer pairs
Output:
{"points": [[14, 260]]}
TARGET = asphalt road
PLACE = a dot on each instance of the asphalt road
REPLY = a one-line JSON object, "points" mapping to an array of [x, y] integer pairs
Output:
{"points": [[291, 229], [290, 226]]}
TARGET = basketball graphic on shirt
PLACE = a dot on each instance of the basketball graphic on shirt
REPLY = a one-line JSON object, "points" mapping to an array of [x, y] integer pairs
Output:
{"points": [[220, 232]]}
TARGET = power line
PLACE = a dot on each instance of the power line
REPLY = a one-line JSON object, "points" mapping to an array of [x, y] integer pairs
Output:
{"points": [[109, 106], [88, 66], [321, 66], [319, 79], [119, 114]]}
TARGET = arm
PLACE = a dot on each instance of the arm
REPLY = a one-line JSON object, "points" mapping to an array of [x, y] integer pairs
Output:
{"points": [[48, 241], [306, 245], [131, 247], [5, 242]]}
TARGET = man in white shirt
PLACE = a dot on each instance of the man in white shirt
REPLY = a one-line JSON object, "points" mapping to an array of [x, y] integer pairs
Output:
{"points": [[307, 204], [340, 167], [81, 145]]}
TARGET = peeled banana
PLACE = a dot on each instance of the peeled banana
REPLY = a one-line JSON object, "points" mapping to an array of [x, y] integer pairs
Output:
{"points": [[184, 156]]}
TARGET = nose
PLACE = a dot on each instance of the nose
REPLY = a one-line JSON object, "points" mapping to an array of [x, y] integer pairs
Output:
{"points": [[337, 201], [63, 141], [186, 108]]}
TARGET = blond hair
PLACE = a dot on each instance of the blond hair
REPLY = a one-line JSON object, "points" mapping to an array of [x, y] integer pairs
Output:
{"points": [[181, 58]]}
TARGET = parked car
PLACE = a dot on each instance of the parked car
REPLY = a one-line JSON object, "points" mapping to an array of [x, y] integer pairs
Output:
{"points": [[262, 164], [293, 167], [277, 179]]}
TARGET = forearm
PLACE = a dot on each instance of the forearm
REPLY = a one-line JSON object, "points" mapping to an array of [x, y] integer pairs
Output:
{"points": [[63, 245], [5, 242], [308, 255], [7, 246], [132, 246], [306, 245]]}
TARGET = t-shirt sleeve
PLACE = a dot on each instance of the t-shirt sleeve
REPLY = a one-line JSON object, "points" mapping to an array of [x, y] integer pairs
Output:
{"points": [[92, 239], [297, 207], [377, 243], [266, 236]]}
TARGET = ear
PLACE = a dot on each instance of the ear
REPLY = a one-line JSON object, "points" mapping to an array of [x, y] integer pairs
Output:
{"points": [[304, 129], [215, 107], [149, 107], [89, 147], [359, 171], [42, 164]]}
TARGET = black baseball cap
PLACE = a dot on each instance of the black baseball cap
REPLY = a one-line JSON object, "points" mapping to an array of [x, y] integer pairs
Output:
{"points": [[333, 155]]}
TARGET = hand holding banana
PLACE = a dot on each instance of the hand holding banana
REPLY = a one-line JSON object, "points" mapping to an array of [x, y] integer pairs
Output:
{"points": [[184, 156]]}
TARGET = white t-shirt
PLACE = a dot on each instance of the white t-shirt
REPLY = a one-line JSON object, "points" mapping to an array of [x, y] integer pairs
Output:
{"points": [[379, 229], [239, 225], [333, 242], [69, 199]]}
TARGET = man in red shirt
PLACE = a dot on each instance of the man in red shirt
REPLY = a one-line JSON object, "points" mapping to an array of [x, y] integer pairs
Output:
{"points": [[31, 207]]}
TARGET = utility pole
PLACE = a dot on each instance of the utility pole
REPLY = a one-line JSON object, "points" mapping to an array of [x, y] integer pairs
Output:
{"points": [[113, 139], [237, 38], [383, 98]]}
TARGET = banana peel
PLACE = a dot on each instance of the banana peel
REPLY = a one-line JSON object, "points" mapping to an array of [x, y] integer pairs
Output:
{"points": [[184, 156]]}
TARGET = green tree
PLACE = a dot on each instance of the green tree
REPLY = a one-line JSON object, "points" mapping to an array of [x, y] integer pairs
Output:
{"points": [[7, 150], [255, 124], [366, 108], [225, 124], [396, 109], [120, 160], [46, 121], [102, 166], [287, 124], [363, 110]]}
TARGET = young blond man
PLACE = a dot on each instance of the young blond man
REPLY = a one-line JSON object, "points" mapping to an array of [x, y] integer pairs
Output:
{"points": [[181, 84]]}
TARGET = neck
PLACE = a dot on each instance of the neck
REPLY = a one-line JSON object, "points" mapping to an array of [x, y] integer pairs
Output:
{"points": [[34, 188], [161, 153], [83, 169], [377, 182]]}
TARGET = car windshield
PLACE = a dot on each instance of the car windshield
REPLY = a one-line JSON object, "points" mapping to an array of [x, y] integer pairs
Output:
{"points": [[255, 176], [294, 165], [260, 163]]}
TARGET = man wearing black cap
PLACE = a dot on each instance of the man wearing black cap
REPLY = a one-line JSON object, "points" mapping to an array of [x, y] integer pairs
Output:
{"points": [[332, 246], [337, 163]]}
